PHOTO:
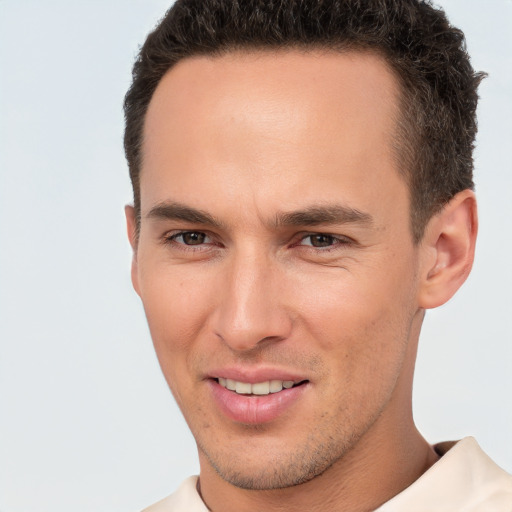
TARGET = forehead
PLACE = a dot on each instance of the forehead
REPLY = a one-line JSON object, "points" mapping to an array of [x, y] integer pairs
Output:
{"points": [[234, 124]]}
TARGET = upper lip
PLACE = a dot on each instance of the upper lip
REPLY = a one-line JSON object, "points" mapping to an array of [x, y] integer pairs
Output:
{"points": [[255, 375]]}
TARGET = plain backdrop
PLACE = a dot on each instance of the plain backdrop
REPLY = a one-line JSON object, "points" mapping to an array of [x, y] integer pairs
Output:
{"points": [[86, 420]]}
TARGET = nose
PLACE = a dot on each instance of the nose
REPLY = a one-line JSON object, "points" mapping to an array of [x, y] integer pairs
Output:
{"points": [[251, 309]]}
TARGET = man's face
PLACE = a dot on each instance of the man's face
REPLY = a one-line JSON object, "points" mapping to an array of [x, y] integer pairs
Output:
{"points": [[275, 250]]}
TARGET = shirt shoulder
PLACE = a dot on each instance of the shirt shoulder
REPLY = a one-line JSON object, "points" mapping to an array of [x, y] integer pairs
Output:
{"points": [[465, 479], [184, 499]]}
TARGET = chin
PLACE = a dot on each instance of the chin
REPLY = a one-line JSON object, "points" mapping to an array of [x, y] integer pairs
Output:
{"points": [[277, 470]]}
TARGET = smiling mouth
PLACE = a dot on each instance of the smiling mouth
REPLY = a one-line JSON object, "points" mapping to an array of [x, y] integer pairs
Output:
{"points": [[258, 388]]}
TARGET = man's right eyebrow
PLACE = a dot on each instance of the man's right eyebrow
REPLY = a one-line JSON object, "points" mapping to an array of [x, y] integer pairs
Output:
{"points": [[178, 211]]}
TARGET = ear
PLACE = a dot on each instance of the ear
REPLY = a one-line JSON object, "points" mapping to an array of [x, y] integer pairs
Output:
{"points": [[448, 250], [131, 228]]}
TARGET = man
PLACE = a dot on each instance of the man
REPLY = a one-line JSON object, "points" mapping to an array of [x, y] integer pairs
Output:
{"points": [[302, 178]]}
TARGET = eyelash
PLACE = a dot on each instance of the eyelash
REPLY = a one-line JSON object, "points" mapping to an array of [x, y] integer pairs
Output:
{"points": [[338, 241], [170, 239]]}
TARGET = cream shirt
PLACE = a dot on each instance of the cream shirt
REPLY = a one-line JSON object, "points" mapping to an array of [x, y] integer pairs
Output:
{"points": [[464, 479]]}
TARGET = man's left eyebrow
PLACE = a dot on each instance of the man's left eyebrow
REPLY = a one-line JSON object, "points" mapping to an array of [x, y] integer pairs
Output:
{"points": [[316, 215]]}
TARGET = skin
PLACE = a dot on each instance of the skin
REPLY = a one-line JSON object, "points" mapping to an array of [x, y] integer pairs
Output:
{"points": [[249, 139]]}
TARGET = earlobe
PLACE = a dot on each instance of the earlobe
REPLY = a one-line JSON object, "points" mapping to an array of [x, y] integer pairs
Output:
{"points": [[448, 250], [131, 228]]}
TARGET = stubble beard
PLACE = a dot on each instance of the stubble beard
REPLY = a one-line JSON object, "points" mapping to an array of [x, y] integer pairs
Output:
{"points": [[290, 468]]}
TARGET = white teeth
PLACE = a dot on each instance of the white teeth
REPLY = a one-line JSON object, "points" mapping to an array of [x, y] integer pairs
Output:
{"points": [[276, 386], [243, 388], [259, 388]]}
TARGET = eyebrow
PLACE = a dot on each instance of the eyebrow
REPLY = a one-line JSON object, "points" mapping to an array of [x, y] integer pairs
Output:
{"points": [[310, 216], [178, 211], [323, 214]]}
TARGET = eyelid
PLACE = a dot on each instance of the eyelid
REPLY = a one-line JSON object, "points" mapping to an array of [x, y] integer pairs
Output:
{"points": [[169, 239], [176, 235], [340, 239]]}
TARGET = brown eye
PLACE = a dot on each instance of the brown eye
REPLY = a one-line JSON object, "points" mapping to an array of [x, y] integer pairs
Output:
{"points": [[320, 240], [191, 238]]}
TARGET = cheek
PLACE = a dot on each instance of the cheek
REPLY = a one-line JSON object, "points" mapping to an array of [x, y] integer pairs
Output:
{"points": [[364, 319], [176, 308], [176, 305], [342, 302]]}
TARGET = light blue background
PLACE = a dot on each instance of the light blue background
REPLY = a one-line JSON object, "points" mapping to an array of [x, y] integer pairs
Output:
{"points": [[86, 420]]}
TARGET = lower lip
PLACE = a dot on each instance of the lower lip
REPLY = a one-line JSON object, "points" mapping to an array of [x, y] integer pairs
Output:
{"points": [[253, 410]]}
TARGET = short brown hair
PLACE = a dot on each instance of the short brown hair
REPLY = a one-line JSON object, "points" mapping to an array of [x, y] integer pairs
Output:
{"points": [[437, 126]]}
